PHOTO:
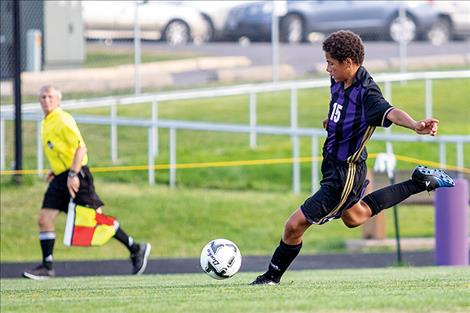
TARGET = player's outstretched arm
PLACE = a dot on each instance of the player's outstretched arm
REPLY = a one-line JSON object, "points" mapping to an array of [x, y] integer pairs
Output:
{"points": [[427, 126]]}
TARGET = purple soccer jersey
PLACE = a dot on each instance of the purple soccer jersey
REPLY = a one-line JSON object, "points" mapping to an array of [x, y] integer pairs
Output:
{"points": [[353, 115]]}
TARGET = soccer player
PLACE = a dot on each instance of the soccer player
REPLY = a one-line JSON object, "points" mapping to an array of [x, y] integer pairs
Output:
{"points": [[357, 107], [69, 178]]}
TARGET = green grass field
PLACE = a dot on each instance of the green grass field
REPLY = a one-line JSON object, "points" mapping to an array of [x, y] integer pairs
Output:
{"points": [[238, 203], [373, 290], [102, 57]]}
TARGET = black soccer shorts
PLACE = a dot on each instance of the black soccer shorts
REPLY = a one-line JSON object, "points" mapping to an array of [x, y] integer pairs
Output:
{"points": [[341, 187], [57, 195]]}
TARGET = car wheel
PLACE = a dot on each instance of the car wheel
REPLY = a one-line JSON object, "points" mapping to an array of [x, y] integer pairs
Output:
{"points": [[108, 42], [292, 29], [406, 28], [440, 32], [210, 36], [177, 33]]}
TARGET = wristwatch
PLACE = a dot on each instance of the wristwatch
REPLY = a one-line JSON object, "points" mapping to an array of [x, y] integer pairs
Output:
{"points": [[72, 174]]}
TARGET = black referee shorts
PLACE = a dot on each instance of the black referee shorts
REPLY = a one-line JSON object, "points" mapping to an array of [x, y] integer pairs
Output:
{"points": [[57, 195], [341, 187]]}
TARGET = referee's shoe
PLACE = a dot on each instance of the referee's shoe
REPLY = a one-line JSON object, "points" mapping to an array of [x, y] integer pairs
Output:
{"points": [[431, 178], [139, 259], [40, 272]]}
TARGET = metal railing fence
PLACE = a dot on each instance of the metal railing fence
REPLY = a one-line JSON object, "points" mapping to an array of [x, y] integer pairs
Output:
{"points": [[252, 128], [294, 133]]}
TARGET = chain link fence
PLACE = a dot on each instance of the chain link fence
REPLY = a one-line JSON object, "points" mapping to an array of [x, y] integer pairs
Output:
{"points": [[31, 24]]}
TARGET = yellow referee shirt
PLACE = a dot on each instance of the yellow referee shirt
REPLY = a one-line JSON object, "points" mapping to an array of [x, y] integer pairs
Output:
{"points": [[60, 139]]}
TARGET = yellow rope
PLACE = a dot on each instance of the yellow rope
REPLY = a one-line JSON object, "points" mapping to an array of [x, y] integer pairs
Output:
{"points": [[232, 164]]}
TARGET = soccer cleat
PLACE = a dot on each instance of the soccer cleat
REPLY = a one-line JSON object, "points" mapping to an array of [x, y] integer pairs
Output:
{"points": [[264, 280], [431, 178], [139, 259], [40, 272]]}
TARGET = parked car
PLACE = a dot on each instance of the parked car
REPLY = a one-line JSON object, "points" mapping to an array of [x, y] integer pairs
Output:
{"points": [[370, 19], [455, 17], [215, 13], [158, 20]]}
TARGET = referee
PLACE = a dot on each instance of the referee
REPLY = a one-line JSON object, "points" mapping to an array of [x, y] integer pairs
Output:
{"points": [[69, 178], [357, 107]]}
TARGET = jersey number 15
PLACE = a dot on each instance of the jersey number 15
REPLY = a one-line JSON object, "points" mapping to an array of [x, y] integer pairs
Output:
{"points": [[336, 114]]}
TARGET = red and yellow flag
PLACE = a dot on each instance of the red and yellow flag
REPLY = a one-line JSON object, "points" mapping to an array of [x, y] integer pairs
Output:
{"points": [[85, 227]]}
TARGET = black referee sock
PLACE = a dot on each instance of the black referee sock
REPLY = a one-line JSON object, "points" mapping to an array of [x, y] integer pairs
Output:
{"points": [[126, 240], [47, 240], [281, 259], [389, 196]]}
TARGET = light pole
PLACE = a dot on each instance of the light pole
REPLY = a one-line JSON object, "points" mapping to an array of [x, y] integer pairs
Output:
{"points": [[279, 8], [137, 49]]}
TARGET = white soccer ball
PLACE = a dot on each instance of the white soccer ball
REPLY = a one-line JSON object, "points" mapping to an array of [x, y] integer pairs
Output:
{"points": [[221, 259]]}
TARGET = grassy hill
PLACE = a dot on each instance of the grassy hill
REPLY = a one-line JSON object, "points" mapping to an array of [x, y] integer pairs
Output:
{"points": [[179, 222], [450, 106]]}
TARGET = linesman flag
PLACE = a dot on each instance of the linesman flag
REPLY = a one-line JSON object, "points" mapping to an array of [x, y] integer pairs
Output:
{"points": [[84, 227]]}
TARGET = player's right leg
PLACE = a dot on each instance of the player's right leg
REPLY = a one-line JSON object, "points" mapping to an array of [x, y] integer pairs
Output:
{"points": [[431, 178], [47, 239], [422, 178], [56, 199]]}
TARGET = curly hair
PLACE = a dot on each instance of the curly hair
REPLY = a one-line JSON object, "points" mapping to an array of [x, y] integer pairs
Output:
{"points": [[345, 44]]}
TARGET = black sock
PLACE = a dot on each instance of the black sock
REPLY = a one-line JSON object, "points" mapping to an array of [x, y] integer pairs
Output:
{"points": [[282, 258], [47, 240], [126, 240], [389, 196]]}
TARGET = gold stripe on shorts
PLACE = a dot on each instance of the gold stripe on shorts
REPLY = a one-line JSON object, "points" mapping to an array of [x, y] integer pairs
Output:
{"points": [[346, 191]]}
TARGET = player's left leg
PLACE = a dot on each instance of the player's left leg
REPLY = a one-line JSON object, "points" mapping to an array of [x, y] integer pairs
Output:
{"points": [[139, 252], [288, 249], [295, 227], [321, 207]]}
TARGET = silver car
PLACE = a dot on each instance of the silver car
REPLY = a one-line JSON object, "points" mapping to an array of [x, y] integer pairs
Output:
{"points": [[454, 17], [158, 20]]}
